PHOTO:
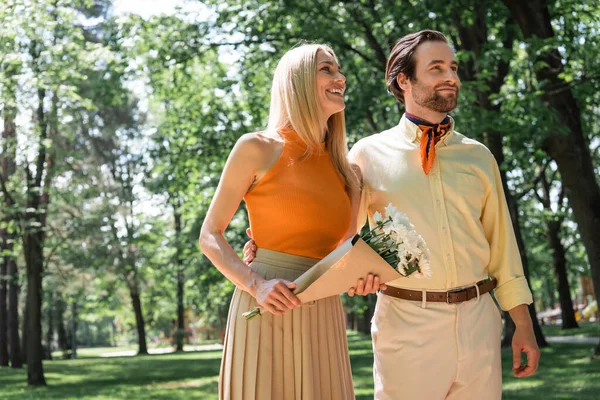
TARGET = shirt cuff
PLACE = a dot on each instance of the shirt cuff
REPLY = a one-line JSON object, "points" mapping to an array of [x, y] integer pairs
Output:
{"points": [[513, 293]]}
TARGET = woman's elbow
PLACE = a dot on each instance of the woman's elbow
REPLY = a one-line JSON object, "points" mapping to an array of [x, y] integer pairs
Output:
{"points": [[204, 239]]}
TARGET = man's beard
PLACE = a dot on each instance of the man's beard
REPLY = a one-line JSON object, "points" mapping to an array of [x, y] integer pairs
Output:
{"points": [[432, 100]]}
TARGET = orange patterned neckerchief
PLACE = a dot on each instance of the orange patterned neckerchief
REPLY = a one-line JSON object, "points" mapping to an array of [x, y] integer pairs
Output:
{"points": [[432, 133]]}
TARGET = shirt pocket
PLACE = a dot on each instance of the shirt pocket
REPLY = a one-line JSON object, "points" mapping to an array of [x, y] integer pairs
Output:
{"points": [[470, 190]]}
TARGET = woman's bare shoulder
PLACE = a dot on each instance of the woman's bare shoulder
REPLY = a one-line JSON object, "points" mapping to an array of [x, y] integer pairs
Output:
{"points": [[260, 150], [260, 143]]}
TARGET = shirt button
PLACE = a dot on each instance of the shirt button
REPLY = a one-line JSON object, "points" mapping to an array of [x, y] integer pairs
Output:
{"points": [[434, 175], [444, 229], [438, 202], [448, 256], [451, 284]]}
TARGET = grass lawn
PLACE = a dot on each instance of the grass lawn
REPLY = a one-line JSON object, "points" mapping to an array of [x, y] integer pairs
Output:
{"points": [[566, 372], [586, 329]]}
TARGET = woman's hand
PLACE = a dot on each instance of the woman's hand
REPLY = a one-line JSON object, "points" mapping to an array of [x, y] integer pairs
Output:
{"points": [[276, 297]]}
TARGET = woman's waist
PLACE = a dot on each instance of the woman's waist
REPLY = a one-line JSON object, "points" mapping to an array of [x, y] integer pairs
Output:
{"points": [[279, 259]]}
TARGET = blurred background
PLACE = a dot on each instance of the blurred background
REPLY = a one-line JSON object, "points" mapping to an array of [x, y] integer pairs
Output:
{"points": [[117, 118]]}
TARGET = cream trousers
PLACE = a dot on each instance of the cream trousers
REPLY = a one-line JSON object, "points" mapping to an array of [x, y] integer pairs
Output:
{"points": [[435, 350]]}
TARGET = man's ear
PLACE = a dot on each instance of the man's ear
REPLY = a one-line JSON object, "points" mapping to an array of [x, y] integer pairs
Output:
{"points": [[402, 81]]}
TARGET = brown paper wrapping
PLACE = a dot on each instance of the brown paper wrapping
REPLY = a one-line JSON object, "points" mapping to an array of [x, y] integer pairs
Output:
{"points": [[341, 269]]}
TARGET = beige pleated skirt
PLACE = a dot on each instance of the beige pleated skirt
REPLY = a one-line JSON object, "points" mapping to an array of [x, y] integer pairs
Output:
{"points": [[300, 355]]}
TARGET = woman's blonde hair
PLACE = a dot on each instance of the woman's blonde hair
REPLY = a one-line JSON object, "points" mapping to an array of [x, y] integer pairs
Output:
{"points": [[295, 105]]}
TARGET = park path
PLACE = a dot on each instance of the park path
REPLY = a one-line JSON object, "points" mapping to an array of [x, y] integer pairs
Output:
{"points": [[164, 350], [217, 346], [573, 339]]}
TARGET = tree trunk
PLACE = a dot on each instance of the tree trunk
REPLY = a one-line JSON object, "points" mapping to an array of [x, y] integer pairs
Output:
{"points": [[3, 300], [61, 332], [73, 329], [560, 269], [50, 322], [473, 38], [8, 165], [139, 321], [570, 151], [180, 311], [514, 216], [180, 334], [509, 330], [33, 246], [12, 274], [16, 360], [550, 287], [368, 314], [25, 331]]}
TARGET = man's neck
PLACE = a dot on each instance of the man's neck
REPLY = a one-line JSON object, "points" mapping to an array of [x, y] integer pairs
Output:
{"points": [[426, 114]]}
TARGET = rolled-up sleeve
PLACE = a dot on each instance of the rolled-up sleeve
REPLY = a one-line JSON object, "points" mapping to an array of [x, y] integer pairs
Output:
{"points": [[505, 260]]}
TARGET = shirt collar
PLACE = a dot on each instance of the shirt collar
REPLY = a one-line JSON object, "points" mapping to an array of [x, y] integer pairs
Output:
{"points": [[413, 133]]}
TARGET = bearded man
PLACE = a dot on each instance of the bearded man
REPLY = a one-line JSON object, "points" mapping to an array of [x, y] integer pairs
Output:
{"points": [[440, 338]]}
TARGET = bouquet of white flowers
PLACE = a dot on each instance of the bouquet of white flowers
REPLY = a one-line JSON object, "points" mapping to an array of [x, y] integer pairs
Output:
{"points": [[396, 241], [392, 242]]}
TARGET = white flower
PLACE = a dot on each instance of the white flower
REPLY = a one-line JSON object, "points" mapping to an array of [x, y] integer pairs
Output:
{"points": [[399, 233], [377, 218], [410, 249], [401, 251], [402, 266], [425, 268], [412, 242], [390, 211]]}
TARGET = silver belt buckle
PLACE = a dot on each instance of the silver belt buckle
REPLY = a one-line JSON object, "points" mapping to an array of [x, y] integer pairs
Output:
{"points": [[452, 291]]}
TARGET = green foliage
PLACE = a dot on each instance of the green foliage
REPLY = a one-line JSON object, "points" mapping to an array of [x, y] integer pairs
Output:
{"points": [[145, 111]]}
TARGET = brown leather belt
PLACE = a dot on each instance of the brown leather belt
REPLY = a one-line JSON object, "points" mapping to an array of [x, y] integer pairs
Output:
{"points": [[451, 296]]}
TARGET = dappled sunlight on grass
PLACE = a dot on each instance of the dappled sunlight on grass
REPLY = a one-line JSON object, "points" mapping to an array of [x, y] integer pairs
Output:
{"points": [[586, 329], [171, 376], [566, 372]]}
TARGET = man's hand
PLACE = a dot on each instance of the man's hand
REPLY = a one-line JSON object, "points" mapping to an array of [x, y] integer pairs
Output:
{"points": [[524, 342], [371, 286]]}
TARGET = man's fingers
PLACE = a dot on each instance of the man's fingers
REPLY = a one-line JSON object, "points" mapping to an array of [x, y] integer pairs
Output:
{"points": [[369, 284], [524, 372], [375, 284], [351, 292], [360, 287], [533, 359], [516, 358], [249, 233]]}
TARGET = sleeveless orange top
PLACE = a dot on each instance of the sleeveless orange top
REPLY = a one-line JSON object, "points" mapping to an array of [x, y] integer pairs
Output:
{"points": [[300, 206]]}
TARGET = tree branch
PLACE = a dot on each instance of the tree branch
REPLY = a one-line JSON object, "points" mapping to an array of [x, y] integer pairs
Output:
{"points": [[541, 172]]}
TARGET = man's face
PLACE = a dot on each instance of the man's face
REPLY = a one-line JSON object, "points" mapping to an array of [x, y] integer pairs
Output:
{"points": [[436, 84]]}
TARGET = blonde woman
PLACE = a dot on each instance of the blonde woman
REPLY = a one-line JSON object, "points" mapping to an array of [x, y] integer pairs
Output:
{"points": [[300, 192]]}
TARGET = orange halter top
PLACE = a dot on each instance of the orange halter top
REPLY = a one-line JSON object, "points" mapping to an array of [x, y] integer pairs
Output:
{"points": [[300, 206]]}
